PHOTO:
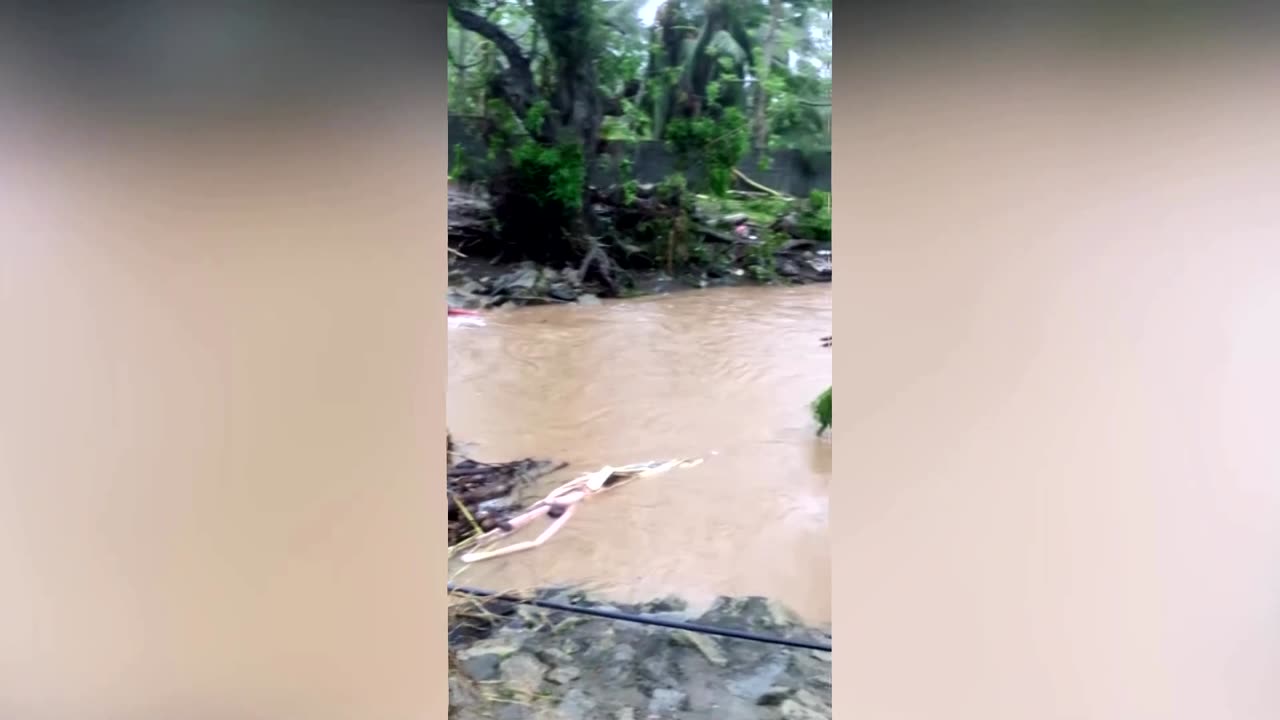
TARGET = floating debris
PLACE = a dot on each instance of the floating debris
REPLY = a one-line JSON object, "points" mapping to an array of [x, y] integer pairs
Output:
{"points": [[560, 504], [482, 495]]}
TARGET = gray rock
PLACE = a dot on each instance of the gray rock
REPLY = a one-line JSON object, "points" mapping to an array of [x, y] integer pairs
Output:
{"points": [[532, 615], [781, 614], [821, 265], [564, 675], [588, 299], [555, 656], [460, 693], [789, 224], [523, 279], [624, 654], [758, 684], [656, 669], [480, 667], [788, 268], [805, 706], [522, 673], [502, 645], [705, 645], [665, 701], [514, 711], [775, 695], [791, 710], [591, 669], [570, 276], [496, 505], [577, 705], [562, 291]]}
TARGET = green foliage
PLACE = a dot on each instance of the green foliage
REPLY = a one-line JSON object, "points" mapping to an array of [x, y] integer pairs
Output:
{"points": [[459, 164], [665, 238], [762, 260], [552, 176], [630, 188], [822, 410], [633, 65], [815, 219], [717, 144], [536, 116], [673, 188]]}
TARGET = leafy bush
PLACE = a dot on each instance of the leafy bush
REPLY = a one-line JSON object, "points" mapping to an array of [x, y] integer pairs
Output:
{"points": [[815, 218], [716, 144], [822, 410]]}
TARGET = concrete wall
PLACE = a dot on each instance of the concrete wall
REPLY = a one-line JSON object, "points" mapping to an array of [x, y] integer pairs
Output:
{"points": [[789, 171]]}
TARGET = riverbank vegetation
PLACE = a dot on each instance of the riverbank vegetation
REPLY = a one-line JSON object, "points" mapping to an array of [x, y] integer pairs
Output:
{"points": [[564, 91], [822, 410]]}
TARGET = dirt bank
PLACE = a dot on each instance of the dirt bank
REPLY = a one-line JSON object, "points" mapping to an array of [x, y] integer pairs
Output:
{"points": [[521, 663]]}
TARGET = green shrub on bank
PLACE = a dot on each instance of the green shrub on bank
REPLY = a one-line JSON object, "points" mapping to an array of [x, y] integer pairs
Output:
{"points": [[822, 410]]}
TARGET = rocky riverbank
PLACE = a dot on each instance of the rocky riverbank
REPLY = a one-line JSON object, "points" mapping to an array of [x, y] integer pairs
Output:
{"points": [[516, 662], [736, 240]]}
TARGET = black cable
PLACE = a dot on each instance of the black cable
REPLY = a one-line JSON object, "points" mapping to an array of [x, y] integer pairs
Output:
{"points": [[629, 617]]}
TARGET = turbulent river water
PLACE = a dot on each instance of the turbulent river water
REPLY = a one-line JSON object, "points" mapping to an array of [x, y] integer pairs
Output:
{"points": [[725, 375]]}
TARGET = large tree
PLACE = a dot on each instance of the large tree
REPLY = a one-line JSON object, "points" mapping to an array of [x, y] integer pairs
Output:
{"points": [[559, 109]]}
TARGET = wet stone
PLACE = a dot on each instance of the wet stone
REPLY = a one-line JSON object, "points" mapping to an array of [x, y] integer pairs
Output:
{"points": [[804, 705], [665, 701], [670, 604], [709, 648], [460, 693], [597, 670], [562, 292], [501, 645], [555, 656], [564, 675], [791, 710], [481, 668], [624, 654], [512, 711], [760, 682], [774, 696], [522, 673], [577, 705], [657, 670]]}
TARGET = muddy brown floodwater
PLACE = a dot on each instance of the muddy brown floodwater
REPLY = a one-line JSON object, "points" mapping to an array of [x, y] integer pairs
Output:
{"points": [[725, 375]]}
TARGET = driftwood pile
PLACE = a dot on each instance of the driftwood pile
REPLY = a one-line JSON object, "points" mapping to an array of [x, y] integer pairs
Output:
{"points": [[480, 494]]}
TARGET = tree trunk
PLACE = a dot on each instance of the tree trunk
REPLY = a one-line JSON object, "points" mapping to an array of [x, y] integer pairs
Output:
{"points": [[760, 122]]}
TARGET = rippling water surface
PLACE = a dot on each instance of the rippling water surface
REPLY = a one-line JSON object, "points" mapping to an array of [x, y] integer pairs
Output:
{"points": [[725, 375]]}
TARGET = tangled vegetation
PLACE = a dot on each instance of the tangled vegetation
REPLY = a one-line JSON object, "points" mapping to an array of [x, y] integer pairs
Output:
{"points": [[551, 82]]}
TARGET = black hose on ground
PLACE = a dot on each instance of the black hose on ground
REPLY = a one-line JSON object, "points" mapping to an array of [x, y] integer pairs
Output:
{"points": [[641, 619]]}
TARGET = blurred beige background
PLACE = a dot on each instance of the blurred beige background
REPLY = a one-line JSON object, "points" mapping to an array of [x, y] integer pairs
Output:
{"points": [[219, 378], [1061, 485]]}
